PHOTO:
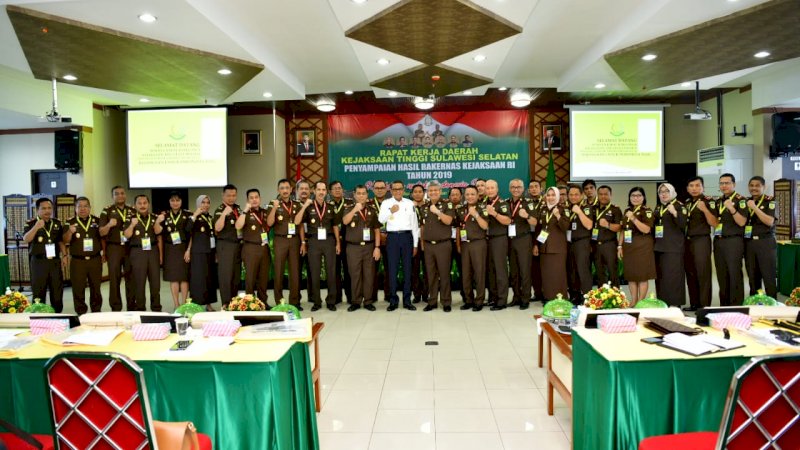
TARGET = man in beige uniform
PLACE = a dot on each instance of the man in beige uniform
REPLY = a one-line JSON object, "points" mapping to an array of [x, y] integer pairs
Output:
{"points": [[363, 249], [255, 248], [437, 217], [320, 241], [471, 243], [287, 242]]}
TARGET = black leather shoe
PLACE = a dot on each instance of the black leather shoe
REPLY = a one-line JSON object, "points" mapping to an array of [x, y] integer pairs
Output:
{"points": [[497, 308], [316, 307], [477, 308], [352, 308], [525, 306], [465, 307], [689, 308], [299, 308], [369, 307], [331, 307], [391, 307], [416, 300], [447, 309], [409, 307], [429, 308], [514, 303], [490, 304]]}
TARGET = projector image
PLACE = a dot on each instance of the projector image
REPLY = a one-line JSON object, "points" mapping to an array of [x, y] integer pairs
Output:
{"points": [[699, 114]]}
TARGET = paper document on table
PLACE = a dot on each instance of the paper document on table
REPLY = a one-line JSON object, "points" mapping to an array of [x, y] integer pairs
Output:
{"points": [[291, 329], [98, 337], [9, 347], [9, 333], [699, 344]]}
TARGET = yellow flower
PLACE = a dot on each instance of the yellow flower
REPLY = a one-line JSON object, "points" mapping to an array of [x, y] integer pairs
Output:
{"points": [[12, 310]]}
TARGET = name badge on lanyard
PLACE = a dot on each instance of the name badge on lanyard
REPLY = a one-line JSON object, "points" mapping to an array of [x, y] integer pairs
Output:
{"points": [[659, 231], [569, 235], [748, 231], [453, 232], [628, 236], [512, 230], [292, 229], [543, 236], [146, 244], [88, 245], [322, 234], [212, 242], [122, 238], [718, 230], [50, 250], [175, 237], [463, 235], [595, 234], [366, 234], [264, 237]]}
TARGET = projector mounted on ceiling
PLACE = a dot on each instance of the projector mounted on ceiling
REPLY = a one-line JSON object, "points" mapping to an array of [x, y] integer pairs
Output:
{"points": [[698, 113], [53, 115]]}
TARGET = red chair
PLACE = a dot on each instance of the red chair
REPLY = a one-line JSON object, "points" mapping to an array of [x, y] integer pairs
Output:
{"points": [[762, 411], [16, 439], [99, 400]]}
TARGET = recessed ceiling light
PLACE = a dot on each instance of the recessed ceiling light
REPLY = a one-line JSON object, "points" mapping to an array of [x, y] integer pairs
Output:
{"points": [[520, 100], [69, 77], [326, 105], [392, 94], [599, 86], [144, 100], [147, 18], [348, 92], [762, 54], [224, 71], [479, 58], [649, 57], [359, 2], [467, 92], [686, 84], [267, 94], [502, 88], [383, 62]]}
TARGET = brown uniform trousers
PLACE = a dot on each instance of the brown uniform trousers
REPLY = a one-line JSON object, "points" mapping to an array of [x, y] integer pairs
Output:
{"points": [[362, 272], [316, 251], [287, 248], [473, 259], [437, 268], [256, 261], [81, 270]]}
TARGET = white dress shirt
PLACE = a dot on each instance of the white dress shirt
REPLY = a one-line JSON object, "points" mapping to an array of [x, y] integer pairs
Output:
{"points": [[405, 219]]}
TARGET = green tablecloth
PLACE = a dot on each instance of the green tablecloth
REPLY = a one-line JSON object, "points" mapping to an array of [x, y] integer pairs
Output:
{"points": [[5, 274], [788, 267], [239, 405], [616, 404]]}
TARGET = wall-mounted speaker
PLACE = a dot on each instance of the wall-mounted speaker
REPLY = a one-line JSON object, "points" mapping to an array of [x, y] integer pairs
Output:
{"points": [[68, 150]]}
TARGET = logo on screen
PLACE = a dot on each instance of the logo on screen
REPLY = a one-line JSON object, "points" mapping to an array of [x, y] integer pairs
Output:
{"points": [[177, 132], [617, 129]]}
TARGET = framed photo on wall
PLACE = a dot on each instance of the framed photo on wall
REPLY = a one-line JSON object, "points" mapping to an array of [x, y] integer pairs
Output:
{"points": [[551, 137], [251, 142], [305, 140]]}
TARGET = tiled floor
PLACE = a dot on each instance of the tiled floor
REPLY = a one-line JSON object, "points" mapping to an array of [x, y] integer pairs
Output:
{"points": [[477, 388]]}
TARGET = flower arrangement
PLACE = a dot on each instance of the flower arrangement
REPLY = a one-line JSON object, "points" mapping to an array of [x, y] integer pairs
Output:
{"points": [[794, 298], [246, 302], [605, 297], [13, 302]]}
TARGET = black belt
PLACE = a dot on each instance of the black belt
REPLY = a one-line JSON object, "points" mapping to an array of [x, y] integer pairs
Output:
{"points": [[85, 257], [362, 243], [473, 240], [695, 236], [607, 241], [399, 232], [440, 241], [114, 243], [287, 236], [521, 235], [580, 238], [45, 257], [497, 236], [232, 241], [761, 236], [260, 244], [728, 236]]}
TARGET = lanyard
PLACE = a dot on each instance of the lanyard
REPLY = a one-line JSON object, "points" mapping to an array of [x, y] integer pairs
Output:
{"points": [[256, 215], [287, 208], [548, 216], [234, 210], [722, 202], [377, 204], [121, 213], [466, 218], [516, 208], [663, 208], [85, 227], [338, 209], [597, 216], [175, 221], [634, 213], [753, 211], [363, 214], [146, 225], [47, 231], [321, 214], [694, 205], [207, 218], [416, 210]]}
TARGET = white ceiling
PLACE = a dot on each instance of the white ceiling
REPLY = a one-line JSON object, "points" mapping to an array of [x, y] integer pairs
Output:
{"points": [[302, 46]]}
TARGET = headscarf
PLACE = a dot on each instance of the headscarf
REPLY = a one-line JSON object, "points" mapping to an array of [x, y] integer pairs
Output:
{"points": [[557, 193], [200, 198], [672, 193]]}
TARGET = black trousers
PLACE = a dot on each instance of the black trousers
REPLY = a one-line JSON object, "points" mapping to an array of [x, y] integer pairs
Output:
{"points": [[203, 278], [342, 274], [728, 255], [761, 262], [229, 271], [400, 246], [498, 270], [580, 263], [670, 279], [256, 260], [146, 271], [605, 262], [84, 271], [119, 268], [697, 263], [419, 283], [46, 276], [520, 255], [320, 252]]}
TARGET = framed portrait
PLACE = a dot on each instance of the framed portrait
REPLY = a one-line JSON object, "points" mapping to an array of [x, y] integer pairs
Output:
{"points": [[305, 143], [551, 137], [251, 142]]}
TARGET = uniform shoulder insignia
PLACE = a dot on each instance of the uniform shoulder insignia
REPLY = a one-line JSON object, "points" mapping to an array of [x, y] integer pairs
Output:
{"points": [[742, 204], [649, 213], [712, 203], [683, 209], [485, 212], [450, 205], [586, 211], [504, 208], [772, 205]]}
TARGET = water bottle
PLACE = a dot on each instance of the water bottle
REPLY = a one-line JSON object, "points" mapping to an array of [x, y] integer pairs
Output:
{"points": [[573, 316]]}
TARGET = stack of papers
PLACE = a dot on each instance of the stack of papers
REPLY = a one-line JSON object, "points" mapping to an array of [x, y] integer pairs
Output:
{"points": [[291, 329], [700, 344], [100, 337], [10, 344]]}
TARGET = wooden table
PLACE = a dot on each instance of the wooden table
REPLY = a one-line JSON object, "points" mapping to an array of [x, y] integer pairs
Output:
{"points": [[559, 364]]}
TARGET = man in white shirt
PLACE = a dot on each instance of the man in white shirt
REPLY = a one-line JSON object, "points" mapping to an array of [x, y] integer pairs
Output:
{"points": [[403, 236]]}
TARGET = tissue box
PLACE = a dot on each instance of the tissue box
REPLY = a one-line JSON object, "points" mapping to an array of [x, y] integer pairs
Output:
{"points": [[48, 326], [729, 320], [150, 331], [617, 323], [221, 328]]}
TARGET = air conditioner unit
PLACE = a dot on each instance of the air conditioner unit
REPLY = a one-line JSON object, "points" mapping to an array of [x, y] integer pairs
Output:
{"points": [[734, 159]]}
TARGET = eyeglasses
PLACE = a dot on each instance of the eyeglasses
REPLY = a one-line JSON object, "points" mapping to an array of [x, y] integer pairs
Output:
{"points": [[397, 189], [379, 188]]}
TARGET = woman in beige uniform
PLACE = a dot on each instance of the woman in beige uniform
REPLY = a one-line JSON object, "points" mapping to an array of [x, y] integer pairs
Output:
{"points": [[552, 245], [636, 245]]}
